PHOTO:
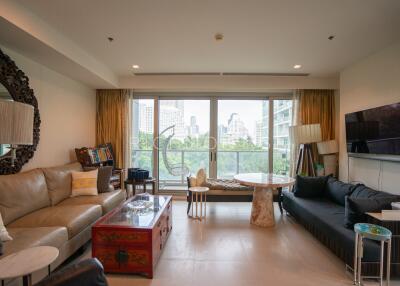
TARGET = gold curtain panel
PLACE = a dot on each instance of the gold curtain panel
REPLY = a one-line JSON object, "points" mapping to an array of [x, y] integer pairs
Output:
{"points": [[318, 106], [111, 121]]}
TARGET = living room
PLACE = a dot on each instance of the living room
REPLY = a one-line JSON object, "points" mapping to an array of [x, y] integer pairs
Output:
{"points": [[199, 142]]}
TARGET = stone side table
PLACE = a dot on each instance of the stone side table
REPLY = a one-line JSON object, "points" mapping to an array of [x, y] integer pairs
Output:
{"points": [[25, 262], [262, 212]]}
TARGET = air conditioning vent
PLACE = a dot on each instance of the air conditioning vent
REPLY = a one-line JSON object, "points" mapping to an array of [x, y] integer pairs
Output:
{"points": [[215, 73]]}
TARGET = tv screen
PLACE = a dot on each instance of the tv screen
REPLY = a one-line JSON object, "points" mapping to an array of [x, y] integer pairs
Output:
{"points": [[374, 131]]}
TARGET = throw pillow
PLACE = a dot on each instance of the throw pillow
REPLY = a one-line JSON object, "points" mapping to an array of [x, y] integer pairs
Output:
{"points": [[309, 187], [201, 177], [84, 183], [356, 208], [4, 236], [192, 181], [337, 190], [103, 178]]}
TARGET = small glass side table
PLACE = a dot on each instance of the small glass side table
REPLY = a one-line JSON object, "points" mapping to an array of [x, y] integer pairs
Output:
{"points": [[200, 196], [377, 233]]}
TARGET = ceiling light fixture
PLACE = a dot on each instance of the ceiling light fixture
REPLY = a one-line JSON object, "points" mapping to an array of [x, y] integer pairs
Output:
{"points": [[135, 67], [219, 37], [297, 66]]}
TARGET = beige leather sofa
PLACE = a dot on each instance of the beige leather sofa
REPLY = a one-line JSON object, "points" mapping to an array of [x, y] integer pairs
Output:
{"points": [[37, 210]]}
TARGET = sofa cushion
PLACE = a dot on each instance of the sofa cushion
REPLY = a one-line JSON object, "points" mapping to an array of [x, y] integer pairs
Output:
{"points": [[327, 217], [226, 185], [108, 201], [362, 191], [21, 194], [59, 181], [84, 183], [35, 236], [337, 190], [75, 218], [103, 178], [356, 208], [309, 187]]}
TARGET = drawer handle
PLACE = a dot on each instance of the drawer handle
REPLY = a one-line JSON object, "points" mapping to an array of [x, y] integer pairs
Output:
{"points": [[122, 256]]}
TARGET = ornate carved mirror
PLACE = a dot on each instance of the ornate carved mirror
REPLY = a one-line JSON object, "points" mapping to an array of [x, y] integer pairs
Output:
{"points": [[14, 85]]}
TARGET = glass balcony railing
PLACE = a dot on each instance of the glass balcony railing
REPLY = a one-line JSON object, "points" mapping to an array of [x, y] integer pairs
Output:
{"points": [[229, 163]]}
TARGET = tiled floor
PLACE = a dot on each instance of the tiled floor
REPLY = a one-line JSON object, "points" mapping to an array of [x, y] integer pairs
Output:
{"points": [[227, 250]]}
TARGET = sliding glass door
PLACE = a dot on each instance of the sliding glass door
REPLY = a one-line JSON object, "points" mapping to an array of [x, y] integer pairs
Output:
{"points": [[242, 137], [183, 140], [176, 136]]}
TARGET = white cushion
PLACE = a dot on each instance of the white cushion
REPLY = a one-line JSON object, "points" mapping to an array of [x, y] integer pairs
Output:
{"points": [[193, 181], [4, 236], [84, 183], [201, 177]]}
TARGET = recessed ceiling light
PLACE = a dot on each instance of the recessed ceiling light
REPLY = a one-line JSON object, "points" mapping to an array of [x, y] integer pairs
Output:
{"points": [[219, 36], [297, 66], [135, 66]]}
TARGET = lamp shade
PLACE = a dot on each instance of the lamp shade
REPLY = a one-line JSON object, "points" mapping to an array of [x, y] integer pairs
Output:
{"points": [[16, 123], [328, 147], [303, 134]]}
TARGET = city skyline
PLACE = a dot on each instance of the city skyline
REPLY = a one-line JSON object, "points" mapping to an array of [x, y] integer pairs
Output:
{"points": [[191, 118]]}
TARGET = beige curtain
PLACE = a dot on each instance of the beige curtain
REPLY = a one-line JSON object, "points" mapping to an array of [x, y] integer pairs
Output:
{"points": [[112, 113]]}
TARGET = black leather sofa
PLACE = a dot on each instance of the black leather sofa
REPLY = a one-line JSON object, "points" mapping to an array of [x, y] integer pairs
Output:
{"points": [[324, 216]]}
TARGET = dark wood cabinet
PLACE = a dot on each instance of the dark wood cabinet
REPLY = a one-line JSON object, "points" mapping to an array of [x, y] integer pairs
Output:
{"points": [[128, 242]]}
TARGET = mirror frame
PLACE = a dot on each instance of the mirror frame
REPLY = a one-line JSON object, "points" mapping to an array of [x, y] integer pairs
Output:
{"points": [[17, 84]]}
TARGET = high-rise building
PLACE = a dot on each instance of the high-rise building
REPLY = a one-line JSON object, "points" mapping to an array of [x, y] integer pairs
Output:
{"points": [[235, 130], [172, 113], [193, 130]]}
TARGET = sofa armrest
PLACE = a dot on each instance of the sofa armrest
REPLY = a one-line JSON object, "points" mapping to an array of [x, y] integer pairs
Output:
{"points": [[88, 272]]}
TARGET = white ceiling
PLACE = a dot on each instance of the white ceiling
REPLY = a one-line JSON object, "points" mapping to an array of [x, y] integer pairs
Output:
{"points": [[261, 36]]}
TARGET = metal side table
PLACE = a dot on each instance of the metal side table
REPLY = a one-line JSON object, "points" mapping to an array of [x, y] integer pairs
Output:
{"points": [[377, 233]]}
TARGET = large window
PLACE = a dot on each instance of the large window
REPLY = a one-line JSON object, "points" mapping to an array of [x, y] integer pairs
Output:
{"points": [[281, 144], [242, 137], [175, 136], [142, 133]]}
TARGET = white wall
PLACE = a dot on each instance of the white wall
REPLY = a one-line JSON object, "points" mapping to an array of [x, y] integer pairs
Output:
{"points": [[67, 110], [372, 82]]}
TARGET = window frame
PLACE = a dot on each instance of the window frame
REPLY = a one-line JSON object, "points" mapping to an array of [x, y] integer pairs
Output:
{"points": [[214, 97]]}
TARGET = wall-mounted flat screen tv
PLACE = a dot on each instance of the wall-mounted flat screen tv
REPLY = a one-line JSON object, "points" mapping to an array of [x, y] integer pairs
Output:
{"points": [[374, 131]]}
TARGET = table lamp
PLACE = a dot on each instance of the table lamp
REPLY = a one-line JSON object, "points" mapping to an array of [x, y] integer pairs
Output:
{"points": [[16, 126], [328, 150], [305, 135]]}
